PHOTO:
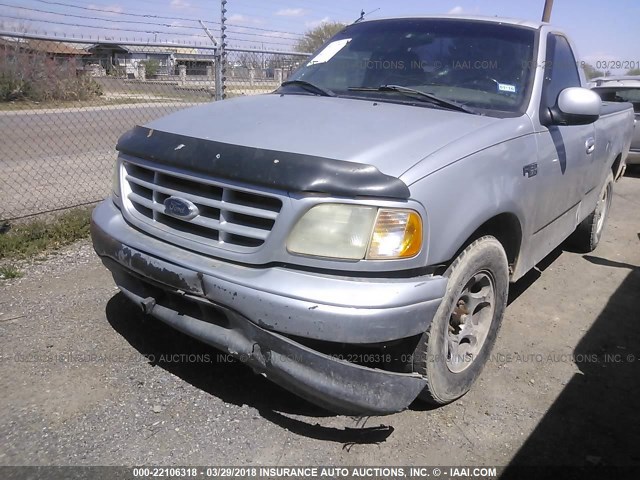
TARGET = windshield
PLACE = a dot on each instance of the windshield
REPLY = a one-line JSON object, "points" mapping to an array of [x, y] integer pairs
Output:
{"points": [[482, 65]]}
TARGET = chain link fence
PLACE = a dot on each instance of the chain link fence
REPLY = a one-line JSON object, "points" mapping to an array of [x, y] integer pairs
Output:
{"points": [[63, 106], [251, 72]]}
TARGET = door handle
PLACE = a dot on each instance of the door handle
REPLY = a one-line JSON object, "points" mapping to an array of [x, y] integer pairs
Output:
{"points": [[590, 145]]}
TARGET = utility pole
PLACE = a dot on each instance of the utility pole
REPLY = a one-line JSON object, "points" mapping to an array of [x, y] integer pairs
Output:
{"points": [[223, 48], [216, 62], [546, 15]]}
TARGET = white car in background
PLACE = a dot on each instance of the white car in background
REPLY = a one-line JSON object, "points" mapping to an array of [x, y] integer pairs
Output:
{"points": [[622, 89]]}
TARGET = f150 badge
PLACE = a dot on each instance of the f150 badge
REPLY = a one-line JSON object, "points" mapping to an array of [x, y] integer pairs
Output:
{"points": [[181, 208]]}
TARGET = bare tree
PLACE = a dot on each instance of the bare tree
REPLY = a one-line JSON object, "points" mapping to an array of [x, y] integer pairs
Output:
{"points": [[314, 38]]}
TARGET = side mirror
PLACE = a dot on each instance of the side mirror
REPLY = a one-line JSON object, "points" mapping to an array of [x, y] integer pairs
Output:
{"points": [[576, 106]]}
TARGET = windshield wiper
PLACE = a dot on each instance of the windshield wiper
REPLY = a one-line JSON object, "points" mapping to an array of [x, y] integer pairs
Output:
{"points": [[441, 102], [325, 92]]}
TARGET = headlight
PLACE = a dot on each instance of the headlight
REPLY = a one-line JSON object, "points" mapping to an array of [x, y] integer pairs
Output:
{"points": [[354, 232], [333, 230], [115, 179]]}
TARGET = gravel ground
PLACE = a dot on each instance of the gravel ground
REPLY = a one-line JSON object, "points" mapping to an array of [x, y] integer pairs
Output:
{"points": [[87, 380]]}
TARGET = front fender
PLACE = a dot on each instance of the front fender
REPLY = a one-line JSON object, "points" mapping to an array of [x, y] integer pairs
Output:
{"points": [[464, 195]]}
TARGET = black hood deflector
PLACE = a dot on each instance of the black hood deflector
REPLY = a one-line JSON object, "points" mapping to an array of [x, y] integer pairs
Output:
{"points": [[292, 172]]}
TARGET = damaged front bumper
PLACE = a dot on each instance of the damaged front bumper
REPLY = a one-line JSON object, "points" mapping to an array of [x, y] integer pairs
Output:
{"points": [[250, 312]]}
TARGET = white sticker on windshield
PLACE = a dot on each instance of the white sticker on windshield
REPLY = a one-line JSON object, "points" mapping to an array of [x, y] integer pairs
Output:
{"points": [[505, 87], [329, 52]]}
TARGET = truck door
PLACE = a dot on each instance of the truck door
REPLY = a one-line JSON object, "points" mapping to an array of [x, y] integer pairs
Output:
{"points": [[565, 152]]}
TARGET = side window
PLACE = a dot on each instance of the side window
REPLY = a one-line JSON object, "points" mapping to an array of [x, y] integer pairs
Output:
{"points": [[561, 69]]}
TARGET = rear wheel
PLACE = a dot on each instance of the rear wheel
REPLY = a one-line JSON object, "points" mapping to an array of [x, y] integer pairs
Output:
{"points": [[457, 344], [589, 232]]}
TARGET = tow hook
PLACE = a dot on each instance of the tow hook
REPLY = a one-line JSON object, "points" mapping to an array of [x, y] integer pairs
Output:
{"points": [[147, 305]]}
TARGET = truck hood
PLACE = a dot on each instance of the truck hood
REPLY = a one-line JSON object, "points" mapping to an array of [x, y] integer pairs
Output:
{"points": [[391, 137]]}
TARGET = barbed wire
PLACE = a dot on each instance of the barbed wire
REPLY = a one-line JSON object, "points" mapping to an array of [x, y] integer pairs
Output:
{"points": [[36, 34], [254, 42]]}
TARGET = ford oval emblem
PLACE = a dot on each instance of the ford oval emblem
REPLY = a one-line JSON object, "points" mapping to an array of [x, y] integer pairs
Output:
{"points": [[181, 208]]}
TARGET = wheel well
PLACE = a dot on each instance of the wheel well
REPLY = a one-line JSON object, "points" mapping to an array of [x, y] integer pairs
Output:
{"points": [[507, 230], [616, 166]]}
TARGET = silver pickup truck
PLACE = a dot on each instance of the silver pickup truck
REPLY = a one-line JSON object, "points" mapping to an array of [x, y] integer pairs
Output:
{"points": [[352, 235]]}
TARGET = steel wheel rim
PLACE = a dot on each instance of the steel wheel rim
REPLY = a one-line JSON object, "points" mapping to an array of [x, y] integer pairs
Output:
{"points": [[470, 322]]}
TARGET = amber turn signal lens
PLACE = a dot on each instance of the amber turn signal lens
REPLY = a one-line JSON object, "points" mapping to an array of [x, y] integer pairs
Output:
{"points": [[397, 234]]}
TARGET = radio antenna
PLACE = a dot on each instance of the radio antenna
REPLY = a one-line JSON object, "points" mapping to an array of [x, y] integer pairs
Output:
{"points": [[362, 15]]}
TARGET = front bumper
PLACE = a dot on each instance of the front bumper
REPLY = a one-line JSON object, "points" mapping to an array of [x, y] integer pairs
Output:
{"points": [[248, 312]]}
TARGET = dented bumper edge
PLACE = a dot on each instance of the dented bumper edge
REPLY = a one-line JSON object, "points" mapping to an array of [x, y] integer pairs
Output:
{"points": [[245, 322]]}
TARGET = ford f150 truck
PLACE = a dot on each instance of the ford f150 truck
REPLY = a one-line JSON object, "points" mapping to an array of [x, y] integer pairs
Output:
{"points": [[352, 235]]}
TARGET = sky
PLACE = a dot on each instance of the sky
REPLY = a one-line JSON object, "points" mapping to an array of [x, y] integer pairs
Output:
{"points": [[602, 30]]}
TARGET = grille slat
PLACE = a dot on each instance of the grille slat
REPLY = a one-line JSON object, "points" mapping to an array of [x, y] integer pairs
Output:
{"points": [[231, 207], [226, 215]]}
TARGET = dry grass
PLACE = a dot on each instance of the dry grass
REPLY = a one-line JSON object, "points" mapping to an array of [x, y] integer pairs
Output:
{"points": [[29, 239]]}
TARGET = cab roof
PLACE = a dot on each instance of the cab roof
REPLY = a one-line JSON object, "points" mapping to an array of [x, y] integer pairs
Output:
{"points": [[478, 18]]}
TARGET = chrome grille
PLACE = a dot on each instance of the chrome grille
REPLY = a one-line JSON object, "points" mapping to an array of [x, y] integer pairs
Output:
{"points": [[229, 216]]}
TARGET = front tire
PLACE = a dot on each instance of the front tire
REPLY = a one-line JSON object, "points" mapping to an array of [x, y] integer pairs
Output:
{"points": [[456, 346]]}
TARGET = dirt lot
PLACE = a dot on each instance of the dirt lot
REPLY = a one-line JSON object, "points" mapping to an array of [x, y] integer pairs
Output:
{"points": [[78, 386]]}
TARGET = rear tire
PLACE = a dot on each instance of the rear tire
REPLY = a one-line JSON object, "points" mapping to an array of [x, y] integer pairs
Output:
{"points": [[456, 346], [589, 232]]}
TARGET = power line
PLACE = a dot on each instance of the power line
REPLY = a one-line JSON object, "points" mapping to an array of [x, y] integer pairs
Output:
{"points": [[98, 18], [94, 9], [256, 34], [287, 4], [111, 12], [109, 3], [102, 28], [249, 11], [264, 29], [259, 41]]}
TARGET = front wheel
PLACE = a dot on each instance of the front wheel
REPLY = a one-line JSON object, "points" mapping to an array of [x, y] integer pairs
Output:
{"points": [[457, 344]]}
